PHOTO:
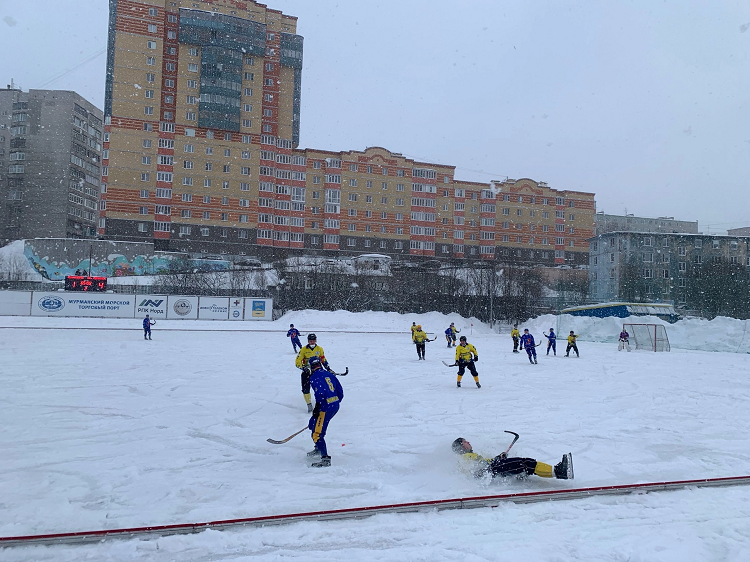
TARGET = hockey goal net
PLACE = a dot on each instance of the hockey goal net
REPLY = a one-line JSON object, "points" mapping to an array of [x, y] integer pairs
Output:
{"points": [[651, 337]]}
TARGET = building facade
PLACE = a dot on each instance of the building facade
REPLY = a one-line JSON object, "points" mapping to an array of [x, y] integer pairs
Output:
{"points": [[199, 96], [50, 158], [744, 231], [657, 267], [201, 155], [604, 223]]}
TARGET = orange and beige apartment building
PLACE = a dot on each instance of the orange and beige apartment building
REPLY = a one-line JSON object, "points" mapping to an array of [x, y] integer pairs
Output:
{"points": [[202, 121]]}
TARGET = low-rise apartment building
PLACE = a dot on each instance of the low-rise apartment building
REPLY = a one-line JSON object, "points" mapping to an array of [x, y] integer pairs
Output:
{"points": [[657, 267], [604, 223]]}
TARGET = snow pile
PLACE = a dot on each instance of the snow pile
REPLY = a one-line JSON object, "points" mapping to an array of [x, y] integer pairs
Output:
{"points": [[14, 262], [719, 334]]}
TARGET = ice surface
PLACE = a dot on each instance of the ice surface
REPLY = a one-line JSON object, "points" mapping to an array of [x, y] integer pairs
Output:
{"points": [[104, 430]]}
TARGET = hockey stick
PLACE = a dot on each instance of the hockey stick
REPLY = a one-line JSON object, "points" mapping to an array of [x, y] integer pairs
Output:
{"points": [[513, 443], [287, 439], [450, 365], [341, 374]]}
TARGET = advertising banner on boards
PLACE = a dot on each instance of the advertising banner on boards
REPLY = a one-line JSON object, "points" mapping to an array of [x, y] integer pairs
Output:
{"points": [[182, 308], [258, 309], [153, 305], [107, 305], [213, 308], [235, 308]]}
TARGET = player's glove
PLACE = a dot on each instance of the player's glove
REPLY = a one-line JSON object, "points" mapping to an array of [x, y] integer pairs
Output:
{"points": [[476, 359], [306, 371]]}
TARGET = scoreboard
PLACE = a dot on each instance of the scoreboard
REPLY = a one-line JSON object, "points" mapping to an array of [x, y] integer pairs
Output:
{"points": [[85, 283]]}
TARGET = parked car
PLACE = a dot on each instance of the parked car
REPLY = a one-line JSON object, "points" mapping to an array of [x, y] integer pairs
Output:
{"points": [[248, 262]]}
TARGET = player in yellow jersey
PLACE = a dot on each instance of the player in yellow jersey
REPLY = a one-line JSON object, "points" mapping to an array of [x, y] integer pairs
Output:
{"points": [[312, 349], [503, 465], [572, 344], [466, 356], [420, 339], [516, 335]]}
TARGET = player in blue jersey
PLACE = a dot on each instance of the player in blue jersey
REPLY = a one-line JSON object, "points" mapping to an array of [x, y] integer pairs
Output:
{"points": [[552, 341], [294, 334], [147, 323], [328, 396], [527, 343]]}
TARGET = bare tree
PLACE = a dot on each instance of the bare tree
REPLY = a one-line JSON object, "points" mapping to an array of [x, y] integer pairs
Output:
{"points": [[14, 268]]}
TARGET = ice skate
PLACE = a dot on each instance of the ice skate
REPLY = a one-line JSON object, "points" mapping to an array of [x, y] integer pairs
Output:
{"points": [[324, 462]]}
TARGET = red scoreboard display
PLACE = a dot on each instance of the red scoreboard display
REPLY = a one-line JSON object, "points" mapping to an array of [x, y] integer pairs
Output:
{"points": [[85, 283]]}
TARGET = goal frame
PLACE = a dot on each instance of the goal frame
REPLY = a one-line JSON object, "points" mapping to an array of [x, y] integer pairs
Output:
{"points": [[657, 333]]}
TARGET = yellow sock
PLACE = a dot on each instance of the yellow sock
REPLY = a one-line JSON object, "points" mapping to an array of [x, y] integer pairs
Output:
{"points": [[307, 398], [458, 378], [476, 379], [544, 470]]}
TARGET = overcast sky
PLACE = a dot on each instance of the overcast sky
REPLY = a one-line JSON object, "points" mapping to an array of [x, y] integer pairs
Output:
{"points": [[644, 102]]}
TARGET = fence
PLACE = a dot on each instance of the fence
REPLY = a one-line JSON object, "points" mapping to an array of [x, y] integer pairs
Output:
{"points": [[117, 305]]}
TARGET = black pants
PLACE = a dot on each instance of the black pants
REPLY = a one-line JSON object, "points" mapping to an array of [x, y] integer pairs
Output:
{"points": [[420, 349], [306, 381], [515, 344], [572, 346], [462, 365], [512, 466]]}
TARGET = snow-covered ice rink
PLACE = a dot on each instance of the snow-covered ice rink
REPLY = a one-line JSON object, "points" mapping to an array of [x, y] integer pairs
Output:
{"points": [[102, 430]]}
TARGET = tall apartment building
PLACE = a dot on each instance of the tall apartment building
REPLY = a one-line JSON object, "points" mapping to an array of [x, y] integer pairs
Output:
{"points": [[201, 147], [661, 266], [199, 94], [50, 157], [604, 223]]}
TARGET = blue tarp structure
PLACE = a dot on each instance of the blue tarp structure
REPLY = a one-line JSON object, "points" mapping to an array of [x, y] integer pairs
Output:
{"points": [[625, 309]]}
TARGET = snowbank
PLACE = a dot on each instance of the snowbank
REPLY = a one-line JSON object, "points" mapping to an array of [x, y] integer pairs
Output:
{"points": [[720, 334], [12, 259]]}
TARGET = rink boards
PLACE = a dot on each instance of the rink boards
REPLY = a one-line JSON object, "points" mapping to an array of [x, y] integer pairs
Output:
{"points": [[358, 512]]}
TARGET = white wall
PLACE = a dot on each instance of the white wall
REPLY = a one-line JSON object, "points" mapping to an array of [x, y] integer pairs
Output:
{"points": [[15, 303]]}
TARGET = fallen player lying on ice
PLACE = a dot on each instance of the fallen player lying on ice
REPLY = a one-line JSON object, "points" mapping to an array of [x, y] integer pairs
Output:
{"points": [[503, 465]]}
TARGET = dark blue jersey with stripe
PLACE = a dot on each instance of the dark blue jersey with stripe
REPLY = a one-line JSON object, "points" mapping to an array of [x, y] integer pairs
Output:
{"points": [[327, 388]]}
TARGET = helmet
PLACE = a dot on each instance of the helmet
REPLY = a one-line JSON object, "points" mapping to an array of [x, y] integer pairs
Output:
{"points": [[291, 325], [419, 326], [462, 338], [311, 337], [525, 329], [451, 323], [458, 446], [314, 362]]}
